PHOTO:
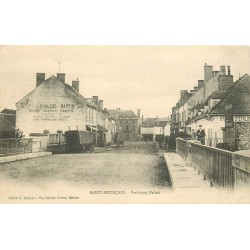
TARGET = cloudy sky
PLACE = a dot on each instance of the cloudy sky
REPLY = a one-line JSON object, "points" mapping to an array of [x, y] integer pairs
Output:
{"points": [[129, 77]]}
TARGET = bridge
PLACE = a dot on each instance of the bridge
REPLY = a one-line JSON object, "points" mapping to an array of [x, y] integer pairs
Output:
{"points": [[221, 168]]}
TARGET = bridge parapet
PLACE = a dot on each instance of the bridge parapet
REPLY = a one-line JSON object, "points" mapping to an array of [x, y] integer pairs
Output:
{"points": [[224, 169]]}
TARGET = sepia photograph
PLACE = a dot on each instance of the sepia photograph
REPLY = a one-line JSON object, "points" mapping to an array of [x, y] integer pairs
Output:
{"points": [[124, 124]]}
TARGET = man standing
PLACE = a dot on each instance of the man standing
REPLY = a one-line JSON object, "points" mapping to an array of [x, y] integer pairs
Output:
{"points": [[201, 135]]}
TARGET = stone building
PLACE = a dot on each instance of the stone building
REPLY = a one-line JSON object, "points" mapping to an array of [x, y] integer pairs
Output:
{"points": [[54, 105], [127, 123], [234, 108]]}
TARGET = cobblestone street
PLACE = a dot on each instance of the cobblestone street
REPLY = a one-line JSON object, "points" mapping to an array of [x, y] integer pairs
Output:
{"points": [[134, 165]]}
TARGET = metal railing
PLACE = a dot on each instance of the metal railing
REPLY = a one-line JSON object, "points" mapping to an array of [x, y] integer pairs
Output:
{"points": [[181, 147], [15, 146], [222, 143], [214, 163]]}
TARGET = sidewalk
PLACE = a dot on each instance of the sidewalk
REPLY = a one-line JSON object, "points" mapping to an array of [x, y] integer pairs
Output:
{"points": [[183, 176], [19, 157]]}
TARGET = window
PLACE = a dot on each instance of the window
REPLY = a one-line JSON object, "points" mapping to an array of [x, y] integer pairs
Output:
{"points": [[134, 128], [87, 114], [127, 128]]}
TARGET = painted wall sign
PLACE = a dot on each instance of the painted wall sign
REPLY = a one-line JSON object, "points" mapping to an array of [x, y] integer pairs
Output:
{"points": [[52, 111], [241, 118]]}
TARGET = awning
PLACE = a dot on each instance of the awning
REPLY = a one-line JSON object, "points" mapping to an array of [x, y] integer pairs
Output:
{"points": [[102, 129], [91, 127]]}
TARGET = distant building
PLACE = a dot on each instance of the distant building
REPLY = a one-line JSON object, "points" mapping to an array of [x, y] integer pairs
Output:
{"points": [[7, 123], [127, 123], [154, 126], [54, 105]]}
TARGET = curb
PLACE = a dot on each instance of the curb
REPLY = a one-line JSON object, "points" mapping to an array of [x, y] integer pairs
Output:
{"points": [[169, 172], [20, 157]]}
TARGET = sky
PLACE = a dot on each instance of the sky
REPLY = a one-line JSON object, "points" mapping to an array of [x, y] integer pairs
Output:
{"points": [[128, 77]]}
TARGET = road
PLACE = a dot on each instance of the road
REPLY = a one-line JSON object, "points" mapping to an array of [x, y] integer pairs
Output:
{"points": [[134, 165]]}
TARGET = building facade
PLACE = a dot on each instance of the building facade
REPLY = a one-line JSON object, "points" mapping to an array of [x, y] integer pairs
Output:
{"points": [[209, 105], [154, 126], [106, 126], [54, 105], [127, 123]]}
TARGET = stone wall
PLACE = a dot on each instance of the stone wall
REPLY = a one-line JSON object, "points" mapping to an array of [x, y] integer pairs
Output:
{"points": [[242, 132]]}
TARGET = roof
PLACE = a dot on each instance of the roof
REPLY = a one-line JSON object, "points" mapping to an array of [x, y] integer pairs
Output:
{"points": [[239, 96], [9, 111], [115, 113], [53, 82], [10, 116], [102, 129], [153, 122], [217, 95], [5, 124], [198, 106]]}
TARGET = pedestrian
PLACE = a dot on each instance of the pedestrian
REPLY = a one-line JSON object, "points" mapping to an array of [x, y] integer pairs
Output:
{"points": [[200, 134]]}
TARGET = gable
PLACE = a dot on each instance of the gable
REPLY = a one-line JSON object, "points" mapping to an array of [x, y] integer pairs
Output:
{"points": [[53, 89]]}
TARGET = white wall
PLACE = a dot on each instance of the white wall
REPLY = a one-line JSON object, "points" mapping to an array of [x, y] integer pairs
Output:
{"points": [[212, 127], [51, 106]]}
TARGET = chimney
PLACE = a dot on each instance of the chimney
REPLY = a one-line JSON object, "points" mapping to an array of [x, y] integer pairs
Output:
{"points": [[40, 78], [100, 104], [183, 94], [75, 85], [95, 100], [61, 77], [138, 113], [200, 83], [223, 69], [208, 72], [196, 88], [228, 70]]}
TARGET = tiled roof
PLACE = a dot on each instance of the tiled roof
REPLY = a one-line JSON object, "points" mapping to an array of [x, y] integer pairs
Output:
{"points": [[9, 111], [238, 96], [5, 125], [152, 122], [198, 106], [9, 115], [217, 95], [114, 113]]}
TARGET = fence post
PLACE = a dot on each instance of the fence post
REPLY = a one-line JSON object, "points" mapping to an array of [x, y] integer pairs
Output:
{"points": [[60, 136]]}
